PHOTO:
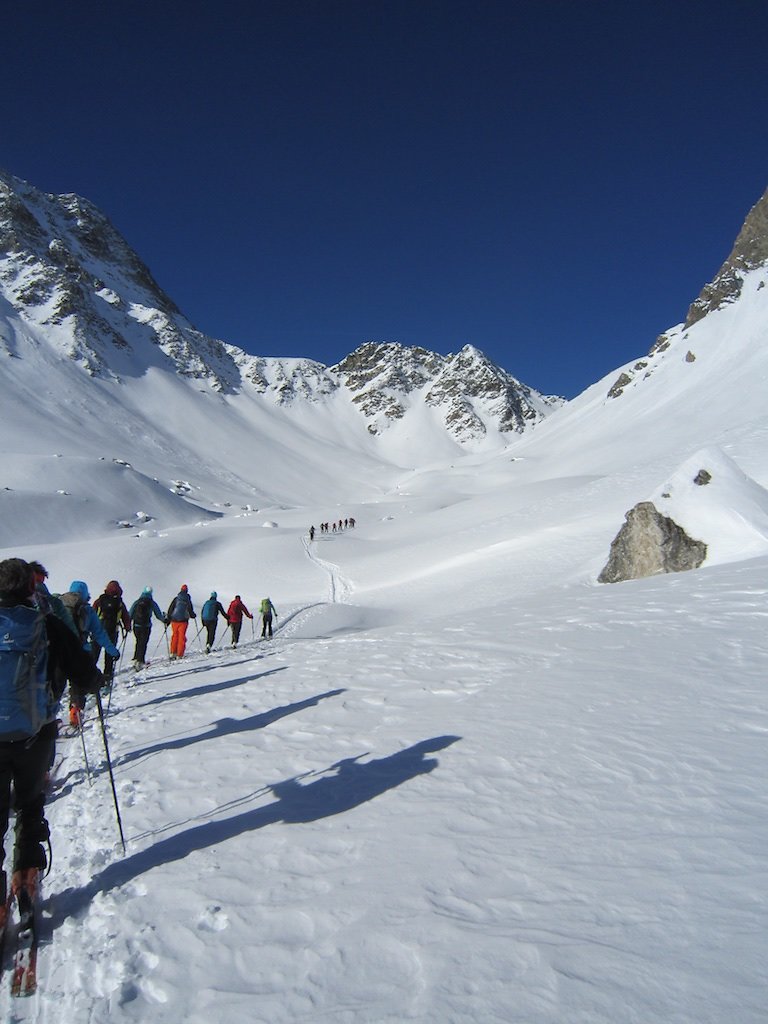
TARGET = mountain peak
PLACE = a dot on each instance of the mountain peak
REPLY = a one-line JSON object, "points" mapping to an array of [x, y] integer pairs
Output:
{"points": [[750, 251]]}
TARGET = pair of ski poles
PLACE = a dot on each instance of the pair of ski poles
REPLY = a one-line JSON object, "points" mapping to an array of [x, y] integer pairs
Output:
{"points": [[100, 706]]}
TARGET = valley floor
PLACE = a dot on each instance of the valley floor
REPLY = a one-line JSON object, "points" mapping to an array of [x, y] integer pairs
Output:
{"points": [[552, 811]]}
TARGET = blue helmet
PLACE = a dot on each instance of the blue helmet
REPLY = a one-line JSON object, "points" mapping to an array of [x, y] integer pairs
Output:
{"points": [[79, 588]]}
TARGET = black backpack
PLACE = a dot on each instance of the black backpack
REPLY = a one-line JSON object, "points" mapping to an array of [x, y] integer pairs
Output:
{"points": [[109, 609], [142, 611]]}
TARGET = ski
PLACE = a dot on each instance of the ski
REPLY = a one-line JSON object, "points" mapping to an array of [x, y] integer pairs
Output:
{"points": [[24, 973]]}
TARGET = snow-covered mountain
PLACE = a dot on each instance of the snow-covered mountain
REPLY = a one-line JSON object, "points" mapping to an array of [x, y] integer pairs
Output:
{"points": [[71, 288], [464, 782]]}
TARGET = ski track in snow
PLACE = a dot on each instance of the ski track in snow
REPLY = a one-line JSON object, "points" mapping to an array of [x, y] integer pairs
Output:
{"points": [[340, 587]]}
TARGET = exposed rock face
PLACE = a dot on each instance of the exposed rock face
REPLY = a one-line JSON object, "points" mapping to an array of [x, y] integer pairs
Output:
{"points": [[749, 251], [649, 543], [63, 264], [467, 390]]}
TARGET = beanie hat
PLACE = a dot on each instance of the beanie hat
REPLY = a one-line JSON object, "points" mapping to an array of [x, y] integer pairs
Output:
{"points": [[184, 587], [213, 594], [147, 590], [79, 588]]}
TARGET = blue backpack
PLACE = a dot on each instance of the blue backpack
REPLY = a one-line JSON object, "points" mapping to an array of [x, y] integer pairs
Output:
{"points": [[26, 701]]}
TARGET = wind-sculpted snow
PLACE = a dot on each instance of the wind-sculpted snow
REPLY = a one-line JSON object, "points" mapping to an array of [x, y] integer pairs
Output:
{"points": [[534, 812]]}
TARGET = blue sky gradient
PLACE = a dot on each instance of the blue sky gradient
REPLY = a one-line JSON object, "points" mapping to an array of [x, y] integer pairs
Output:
{"points": [[552, 181]]}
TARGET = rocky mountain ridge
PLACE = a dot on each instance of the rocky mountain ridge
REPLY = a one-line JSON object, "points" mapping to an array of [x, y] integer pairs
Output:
{"points": [[750, 251], [75, 283]]}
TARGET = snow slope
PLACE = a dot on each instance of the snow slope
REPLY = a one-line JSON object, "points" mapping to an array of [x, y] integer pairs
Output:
{"points": [[463, 782]]}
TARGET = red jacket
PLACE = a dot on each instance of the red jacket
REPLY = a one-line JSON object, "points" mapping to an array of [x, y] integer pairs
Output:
{"points": [[237, 610]]}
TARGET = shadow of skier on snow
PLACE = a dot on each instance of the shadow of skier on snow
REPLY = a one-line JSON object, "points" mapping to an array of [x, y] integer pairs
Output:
{"points": [[352, 784], [204, 691], [228, 727]]}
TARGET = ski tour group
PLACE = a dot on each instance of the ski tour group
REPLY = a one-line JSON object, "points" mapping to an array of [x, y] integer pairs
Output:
{"points": [[46, 641]]}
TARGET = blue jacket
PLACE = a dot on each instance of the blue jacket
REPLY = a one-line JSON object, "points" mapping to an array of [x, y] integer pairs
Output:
{"points": [[211, 607], [89, 622]]}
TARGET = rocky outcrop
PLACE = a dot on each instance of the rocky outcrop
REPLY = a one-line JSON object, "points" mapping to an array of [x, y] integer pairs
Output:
{"points": [[649, 543], [468, 391], [750, 251]]}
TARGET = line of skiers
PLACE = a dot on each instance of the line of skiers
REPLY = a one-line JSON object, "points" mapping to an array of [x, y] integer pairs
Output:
{"points": [[98, 625], [47, 640], [343, 524]]}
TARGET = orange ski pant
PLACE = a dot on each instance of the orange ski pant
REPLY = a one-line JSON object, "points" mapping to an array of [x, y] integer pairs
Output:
{"points": [[178, 638]]}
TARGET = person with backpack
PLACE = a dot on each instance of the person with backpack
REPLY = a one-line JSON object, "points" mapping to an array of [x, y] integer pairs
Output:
{"points": [[91, 632], [235, 614], [140, 615], [111, 610], [50, 604], [267, 610], [210, 617], [36, 652], [180, 611]]}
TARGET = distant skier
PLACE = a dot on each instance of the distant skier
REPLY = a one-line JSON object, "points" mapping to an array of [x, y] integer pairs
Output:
{"points": [[267, 610], [210, 617], [140, 614], [235, 614], [180, 611], [311, 533]]}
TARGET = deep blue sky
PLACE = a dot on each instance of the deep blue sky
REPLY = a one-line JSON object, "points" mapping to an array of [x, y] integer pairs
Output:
{"points": [[550, 180]]}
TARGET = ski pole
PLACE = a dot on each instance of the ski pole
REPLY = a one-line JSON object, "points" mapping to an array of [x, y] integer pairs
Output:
{"points": [[82, 740], [221, 638], [109, 766], [165, 633], [122, 645]]}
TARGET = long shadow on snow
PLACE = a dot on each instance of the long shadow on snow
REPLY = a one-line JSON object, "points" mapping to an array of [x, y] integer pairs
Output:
{"points": [[229, 727], [202, 691], [352, 785]]}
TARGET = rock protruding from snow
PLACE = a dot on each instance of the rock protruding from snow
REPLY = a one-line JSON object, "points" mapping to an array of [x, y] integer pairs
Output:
{"points": [[649, 543], [750, 251]]}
